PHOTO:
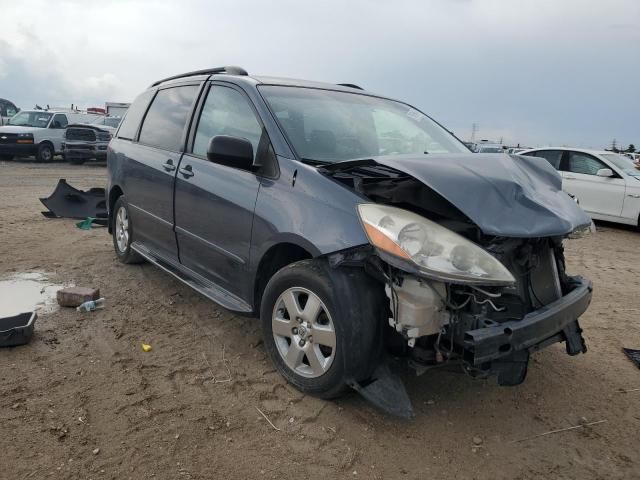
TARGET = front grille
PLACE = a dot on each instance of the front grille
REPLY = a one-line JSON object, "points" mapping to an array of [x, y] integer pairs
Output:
{"points": [[8, 138], [104, 136], [84, 134]]}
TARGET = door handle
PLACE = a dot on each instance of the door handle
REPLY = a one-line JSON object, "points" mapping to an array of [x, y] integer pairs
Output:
{"points": [[186, 171], [169, 166], [570, 178]]}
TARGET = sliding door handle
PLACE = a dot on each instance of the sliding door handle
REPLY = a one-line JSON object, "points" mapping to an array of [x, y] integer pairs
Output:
{"points": [[186, 171]]}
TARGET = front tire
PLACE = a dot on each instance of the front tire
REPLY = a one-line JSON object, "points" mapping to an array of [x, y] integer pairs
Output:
{"points": [[45, 153], [122, 233], [322, 327]]}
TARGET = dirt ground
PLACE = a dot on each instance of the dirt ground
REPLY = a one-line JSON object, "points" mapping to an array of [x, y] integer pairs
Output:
{"points": [[83, 400]]}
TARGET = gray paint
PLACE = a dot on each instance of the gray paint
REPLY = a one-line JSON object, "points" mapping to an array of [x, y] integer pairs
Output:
{"points": [[505, 195], [220, 222]]}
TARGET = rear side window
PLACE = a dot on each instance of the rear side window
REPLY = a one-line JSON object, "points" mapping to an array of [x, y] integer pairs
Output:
{"points": [[165, 121], [584, 163], [134, 115], [226, 112], [551, 156]]}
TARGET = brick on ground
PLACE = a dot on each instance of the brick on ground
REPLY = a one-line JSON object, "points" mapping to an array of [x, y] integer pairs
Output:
{"points": [[74, 296]]}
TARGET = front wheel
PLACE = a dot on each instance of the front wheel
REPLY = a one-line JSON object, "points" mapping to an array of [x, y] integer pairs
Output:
{"points": [[122, 231], [322, 326], [45, 153]]}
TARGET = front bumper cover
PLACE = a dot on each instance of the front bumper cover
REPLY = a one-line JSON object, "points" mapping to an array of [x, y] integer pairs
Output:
{"points": [[552, 323]]}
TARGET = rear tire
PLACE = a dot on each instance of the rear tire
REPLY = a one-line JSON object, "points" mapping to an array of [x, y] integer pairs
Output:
{"points": [[122, 233], [324, 346], [45, 153]]}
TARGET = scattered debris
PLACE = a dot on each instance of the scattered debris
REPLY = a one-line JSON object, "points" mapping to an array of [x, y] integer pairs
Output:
{"points": [[477, 440], [91, 305], [629, 390], [88, 223], [224, 362], [267, 419], [67, 201], [17, 330], [96, 451], [634, 355], [583, 425], [146, 347], [76, 296]]}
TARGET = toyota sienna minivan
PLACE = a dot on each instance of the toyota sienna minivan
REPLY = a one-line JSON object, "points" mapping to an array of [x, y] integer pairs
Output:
{"points": [[358, 229]]}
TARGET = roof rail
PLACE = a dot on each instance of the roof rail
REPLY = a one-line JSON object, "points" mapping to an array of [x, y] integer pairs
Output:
{"points": [[231, 70], [350, 85]]}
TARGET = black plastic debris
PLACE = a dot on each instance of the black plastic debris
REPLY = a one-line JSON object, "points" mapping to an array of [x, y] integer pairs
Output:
{"points": [[69, 202], [386, 391], [634, 355], [17, 330]]}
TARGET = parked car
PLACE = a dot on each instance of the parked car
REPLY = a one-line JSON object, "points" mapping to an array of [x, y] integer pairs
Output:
{"points": [[36, 132], [607, 183], [353, 225], [84, 142], [107, 123], [485, 146], [7, 110]]}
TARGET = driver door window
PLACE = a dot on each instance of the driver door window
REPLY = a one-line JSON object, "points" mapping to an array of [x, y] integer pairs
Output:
{"points": [[226, 112], [59, 121]]}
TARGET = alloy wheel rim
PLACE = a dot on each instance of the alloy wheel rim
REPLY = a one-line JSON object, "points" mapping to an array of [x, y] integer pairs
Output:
{"points": [[122, 229], [304, 332]]}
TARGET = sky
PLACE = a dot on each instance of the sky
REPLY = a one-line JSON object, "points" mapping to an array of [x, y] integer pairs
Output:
{"points": [[529, 72]]}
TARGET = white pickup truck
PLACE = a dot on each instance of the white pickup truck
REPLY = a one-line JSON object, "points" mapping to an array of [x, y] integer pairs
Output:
{"points": [[37, 132]]}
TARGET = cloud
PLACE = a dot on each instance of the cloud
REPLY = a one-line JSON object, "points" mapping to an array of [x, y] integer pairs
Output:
{"points": [[531, 71]]}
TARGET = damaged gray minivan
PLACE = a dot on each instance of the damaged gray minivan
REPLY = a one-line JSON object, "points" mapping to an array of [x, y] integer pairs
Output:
{"points": [[358, 229]]}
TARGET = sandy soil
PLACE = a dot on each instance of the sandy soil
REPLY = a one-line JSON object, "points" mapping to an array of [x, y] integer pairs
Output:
{"points": [[189, 408]]}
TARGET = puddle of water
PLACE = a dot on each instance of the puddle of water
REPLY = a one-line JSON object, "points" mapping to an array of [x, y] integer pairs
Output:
{"points": [[26, 292]]}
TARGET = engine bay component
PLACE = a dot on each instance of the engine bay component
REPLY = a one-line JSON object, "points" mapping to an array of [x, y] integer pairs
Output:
{"points": [[417, 308]]}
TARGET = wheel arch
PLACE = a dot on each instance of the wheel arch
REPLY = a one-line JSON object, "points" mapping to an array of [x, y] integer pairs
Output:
{"points": [[276, 257], [115, 193]]}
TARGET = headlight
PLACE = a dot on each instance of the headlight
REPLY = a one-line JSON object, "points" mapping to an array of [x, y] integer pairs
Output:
{"points": [[436, 251], [25, 138]]}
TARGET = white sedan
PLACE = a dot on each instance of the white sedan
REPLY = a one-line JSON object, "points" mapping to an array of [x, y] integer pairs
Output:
{"points": [[607, 184]]}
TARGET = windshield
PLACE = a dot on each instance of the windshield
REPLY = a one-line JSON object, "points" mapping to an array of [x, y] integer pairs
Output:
{"points": [[31, 119], [625, 164], [333, 126], [108, 121]]}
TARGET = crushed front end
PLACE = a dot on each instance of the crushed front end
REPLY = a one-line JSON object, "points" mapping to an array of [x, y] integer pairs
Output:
{"points": [[490, 330], [482, 287]]}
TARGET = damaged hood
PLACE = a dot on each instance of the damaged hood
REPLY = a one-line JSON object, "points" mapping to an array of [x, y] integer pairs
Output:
{"points": [[504, 195]]}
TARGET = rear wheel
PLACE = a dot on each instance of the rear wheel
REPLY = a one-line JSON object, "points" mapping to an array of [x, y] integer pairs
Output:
{"points": [[322, 326], [6, 157], [122, 231], [44, 153]]}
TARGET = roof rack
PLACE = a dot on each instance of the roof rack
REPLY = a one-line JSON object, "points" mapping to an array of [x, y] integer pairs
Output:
{"points": [[350, 85], [231, 70]]}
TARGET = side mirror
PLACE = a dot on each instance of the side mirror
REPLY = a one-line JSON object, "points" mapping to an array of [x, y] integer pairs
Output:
{"points": [[605, 172], [231, 151]]}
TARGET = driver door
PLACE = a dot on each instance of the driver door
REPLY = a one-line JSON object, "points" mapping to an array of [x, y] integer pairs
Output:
{"points": [[57, 128], [214, 203]]}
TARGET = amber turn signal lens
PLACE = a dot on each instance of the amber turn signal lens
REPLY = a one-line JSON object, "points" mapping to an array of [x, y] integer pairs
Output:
{"points": [[381, 241]]}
